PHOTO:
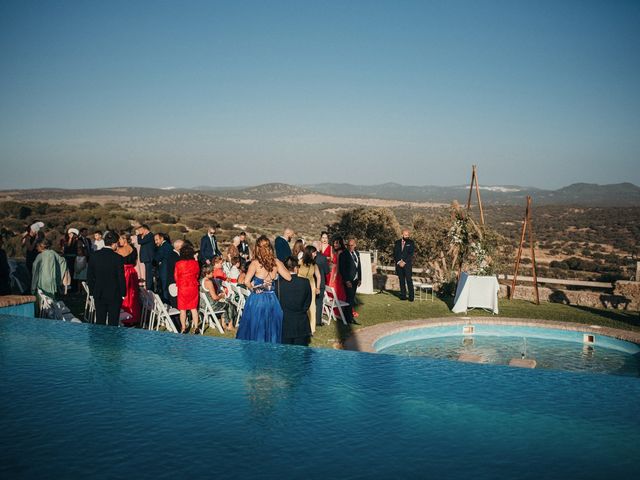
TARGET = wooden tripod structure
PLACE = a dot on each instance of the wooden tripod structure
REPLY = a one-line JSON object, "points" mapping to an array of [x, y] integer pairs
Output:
{"points": [[474, 180], [525, 222]]}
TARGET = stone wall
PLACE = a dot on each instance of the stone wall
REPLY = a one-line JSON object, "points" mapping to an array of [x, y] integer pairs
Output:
{"points": [[625, 296]]}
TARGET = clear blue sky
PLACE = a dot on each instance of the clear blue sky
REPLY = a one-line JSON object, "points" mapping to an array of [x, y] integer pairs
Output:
{"points": [[184, 93]]}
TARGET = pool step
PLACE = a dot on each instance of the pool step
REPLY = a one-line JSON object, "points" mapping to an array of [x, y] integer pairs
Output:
{"points": [[523, 362], [470, 357]]}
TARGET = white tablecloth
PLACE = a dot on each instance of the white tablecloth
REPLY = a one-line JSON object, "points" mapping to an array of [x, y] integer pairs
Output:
{"points": [[476, 292]]}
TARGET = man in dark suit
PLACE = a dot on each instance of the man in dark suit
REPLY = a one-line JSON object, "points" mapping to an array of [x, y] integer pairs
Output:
{"points": [[147, 252], [351, 273], [403, 256], [295, 300], [174, 256], [244, 249], [105, 278], [163, 252], [209, 246], [323, 267], [282, 247], [86, 242]]}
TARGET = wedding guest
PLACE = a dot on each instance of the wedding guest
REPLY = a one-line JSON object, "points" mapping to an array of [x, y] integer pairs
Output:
{"points": [[309, 271], [232, 250], [131, 303], [186, 274], [325, 271], [325, 246], [218, 269], [161, 259], [49, 270], [262, 314], [81, 264], [5, 271], [216, 296], [244, 249], [232, 269], [69, 250], [403, 257], [283, 249], [85, 241], [351, 272], [98, 242], [147, 252], [29, 240], [105, 277], [295, 298], [335, 279], [209, 246], [298, 249], [174, 256], [243, 274]]}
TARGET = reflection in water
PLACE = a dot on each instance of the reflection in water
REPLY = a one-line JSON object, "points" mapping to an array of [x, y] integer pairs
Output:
{"points": [[274, 373]]}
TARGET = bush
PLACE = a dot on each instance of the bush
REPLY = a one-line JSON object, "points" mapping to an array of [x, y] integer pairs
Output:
{"points": [[375, 229]]}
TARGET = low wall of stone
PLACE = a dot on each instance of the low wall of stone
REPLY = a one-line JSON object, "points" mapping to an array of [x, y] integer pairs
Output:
{"points": [[625, 295]]}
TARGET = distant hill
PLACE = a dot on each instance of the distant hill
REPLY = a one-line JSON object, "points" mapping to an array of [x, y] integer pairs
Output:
{"points": [[621, 194], [578, 194]]}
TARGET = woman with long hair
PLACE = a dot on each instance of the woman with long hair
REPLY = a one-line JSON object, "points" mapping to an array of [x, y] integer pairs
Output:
{"points": [[309, 270], [335, 279], [186, 273], [298, 249], [325, 249], [131, 302], [262, 314]]}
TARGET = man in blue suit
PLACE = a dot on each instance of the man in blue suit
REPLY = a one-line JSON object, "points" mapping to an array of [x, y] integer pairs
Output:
{"points": [[209, 247], [162, 257], [283, 249], [147, 253]]}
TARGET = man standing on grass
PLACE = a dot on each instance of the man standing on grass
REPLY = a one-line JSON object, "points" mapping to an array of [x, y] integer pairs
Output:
{"points": [[282, 245], [105, 277], [351, 272], [403, 257]]}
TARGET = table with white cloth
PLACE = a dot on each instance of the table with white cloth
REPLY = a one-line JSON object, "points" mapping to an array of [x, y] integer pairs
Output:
{"points": [[475, 291]]}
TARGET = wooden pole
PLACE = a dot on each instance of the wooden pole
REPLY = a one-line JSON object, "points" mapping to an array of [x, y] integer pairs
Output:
{"points": [[533, 251], [519, 255], [478, 196], [473, 177], [474, 182]]}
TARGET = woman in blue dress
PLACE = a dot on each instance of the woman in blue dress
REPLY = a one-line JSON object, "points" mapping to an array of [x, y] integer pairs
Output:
{"points": [[262, 315]]}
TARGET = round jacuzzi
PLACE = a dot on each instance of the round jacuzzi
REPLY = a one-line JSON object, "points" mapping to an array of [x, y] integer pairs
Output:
{"points": [[584, 350]]}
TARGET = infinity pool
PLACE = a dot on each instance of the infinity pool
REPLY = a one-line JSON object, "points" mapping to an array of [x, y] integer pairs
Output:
{"points": [[81, 400]]}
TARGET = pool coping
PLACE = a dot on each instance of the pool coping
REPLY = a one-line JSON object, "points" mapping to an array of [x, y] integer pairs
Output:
{"points": [[364, 339]]}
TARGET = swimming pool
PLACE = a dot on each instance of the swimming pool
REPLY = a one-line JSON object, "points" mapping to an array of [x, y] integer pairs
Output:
{"points": [[79, 400], [551, 348]]}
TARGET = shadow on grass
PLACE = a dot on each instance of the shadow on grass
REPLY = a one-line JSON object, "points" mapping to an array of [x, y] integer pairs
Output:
{"points": [[627, 317]]}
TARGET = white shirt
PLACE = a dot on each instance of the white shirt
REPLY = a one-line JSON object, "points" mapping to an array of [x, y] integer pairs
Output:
{"points": [[98, 245]]}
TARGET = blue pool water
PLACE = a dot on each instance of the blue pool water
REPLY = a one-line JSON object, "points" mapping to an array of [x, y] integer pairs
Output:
{"points": [[82, 400], [498, 344]]}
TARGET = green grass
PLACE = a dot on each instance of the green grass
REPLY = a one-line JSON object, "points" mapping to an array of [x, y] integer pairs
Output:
{"points": [[387, 307]]}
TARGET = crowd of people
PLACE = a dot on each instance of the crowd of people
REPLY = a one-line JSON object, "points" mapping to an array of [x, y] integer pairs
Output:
{"points": [[285, 280]]}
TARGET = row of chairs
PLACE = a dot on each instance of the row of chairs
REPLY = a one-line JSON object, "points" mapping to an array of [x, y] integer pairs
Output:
{"points": [[155, 314]]}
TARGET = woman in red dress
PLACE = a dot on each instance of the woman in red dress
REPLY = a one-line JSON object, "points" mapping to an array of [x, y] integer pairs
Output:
{"points": [[335, 279], [131, 302], [186, 274], [325, 249]]}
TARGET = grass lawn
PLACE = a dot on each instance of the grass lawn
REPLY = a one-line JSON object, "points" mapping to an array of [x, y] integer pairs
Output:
{"points": [[387, 307]]}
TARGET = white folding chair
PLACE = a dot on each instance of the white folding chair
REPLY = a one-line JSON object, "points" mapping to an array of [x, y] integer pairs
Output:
{"points": [[89, 305], [147, 314], [210, 317], [163, 315], [330, 302], [237, 298]]}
